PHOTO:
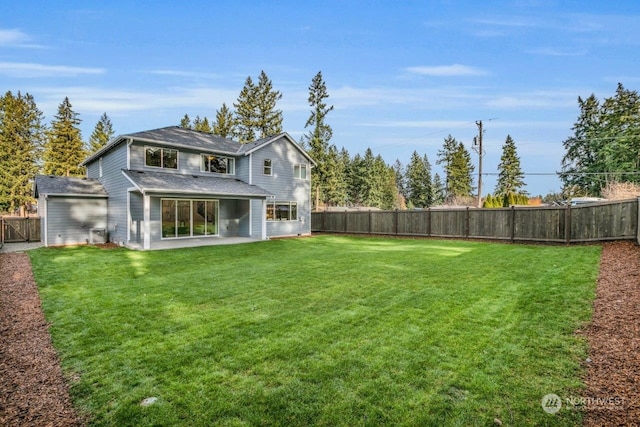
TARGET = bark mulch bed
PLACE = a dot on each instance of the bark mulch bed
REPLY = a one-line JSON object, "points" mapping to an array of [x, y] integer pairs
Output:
{"points": [[613, 368], [33, 391]]}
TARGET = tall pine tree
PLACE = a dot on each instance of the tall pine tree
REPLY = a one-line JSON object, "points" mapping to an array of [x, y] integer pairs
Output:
{"points": [[256, 114], [224, 124], [510, 176], [246, 112], [21, 139], [317, 140], [459, 178], [64, 150], [185, 122], [102, 133], [269, 118], [418, 178]]}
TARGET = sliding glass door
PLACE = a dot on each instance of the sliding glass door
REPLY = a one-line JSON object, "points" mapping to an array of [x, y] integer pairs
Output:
{"points": [[187, 218]]}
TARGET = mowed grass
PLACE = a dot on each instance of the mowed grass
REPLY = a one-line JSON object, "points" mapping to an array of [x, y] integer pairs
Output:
{"points": [[328, 330]]}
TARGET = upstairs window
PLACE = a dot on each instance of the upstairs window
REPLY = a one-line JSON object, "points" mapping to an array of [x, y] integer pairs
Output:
{"points": [[267, 167], [300, 171], [218, 164], [156, 157]]}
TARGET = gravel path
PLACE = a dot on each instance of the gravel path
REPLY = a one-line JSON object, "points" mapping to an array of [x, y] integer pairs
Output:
{"points": [[33, 392]]}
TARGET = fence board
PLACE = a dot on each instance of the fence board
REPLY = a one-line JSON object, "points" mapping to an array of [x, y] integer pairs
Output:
{"points": [[598, 222], [19, 229]]}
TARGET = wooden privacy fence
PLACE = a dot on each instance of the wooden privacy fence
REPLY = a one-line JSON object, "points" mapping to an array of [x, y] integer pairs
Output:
{"points": [[19, 229], [562, 224]]}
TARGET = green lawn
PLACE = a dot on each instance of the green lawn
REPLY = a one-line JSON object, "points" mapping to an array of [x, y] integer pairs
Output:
{"points": [[327, 330]]}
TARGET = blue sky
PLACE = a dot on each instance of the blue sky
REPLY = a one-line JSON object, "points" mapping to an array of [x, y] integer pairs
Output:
{"points": [[402, 75]]}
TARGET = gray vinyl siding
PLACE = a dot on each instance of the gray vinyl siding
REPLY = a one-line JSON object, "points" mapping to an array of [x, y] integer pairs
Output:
{"points": [[283, 185], [188, 160], [116, 186], [93, 169], [233, 218], [242, 168], [257, 213], [69, 219]]}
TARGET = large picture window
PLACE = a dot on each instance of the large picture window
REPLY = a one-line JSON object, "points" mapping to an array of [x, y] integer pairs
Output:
{"points": [[189, 218], [282, 211], [218, 164], [157, 157]]}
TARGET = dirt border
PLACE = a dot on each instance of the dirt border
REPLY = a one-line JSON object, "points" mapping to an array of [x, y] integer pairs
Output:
{"points": [[33, 391]]}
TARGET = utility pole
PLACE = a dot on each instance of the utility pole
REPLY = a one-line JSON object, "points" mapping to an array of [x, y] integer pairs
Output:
{"points": [[477, 142]]}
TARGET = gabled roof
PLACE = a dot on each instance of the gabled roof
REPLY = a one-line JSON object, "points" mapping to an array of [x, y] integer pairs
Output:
{"points": [[176, 183], [51, 185], [250, 147], [177, 136]]}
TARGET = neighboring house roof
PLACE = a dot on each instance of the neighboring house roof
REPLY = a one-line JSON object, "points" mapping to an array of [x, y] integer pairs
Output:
{"points": [[51, 185], [180, 137], [175, 183]]}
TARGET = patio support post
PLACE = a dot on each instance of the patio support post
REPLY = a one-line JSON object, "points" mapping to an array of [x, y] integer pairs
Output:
{"points": [[147, 221]]}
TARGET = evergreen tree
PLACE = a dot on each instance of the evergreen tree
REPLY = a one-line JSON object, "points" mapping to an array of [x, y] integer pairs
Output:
{"points": [[246, 112], [401, 182], [317, 140], [418, 177], [185, 122], [510, 176], [459, 178], [224, 124], [335, 191], [445, 158], [21, 139], [256, 112], [437, 191], [64, 150], [268, 119], [102, 133], [202, 125], [605, 145]]}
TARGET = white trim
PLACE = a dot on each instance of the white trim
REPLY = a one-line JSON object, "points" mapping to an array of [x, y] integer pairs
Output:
{"points": [[99, 167], [129, 143], [250, 169], [46, 220], [147, 221], [128, 215], [270, 167], [250, 218], [264, 219]]}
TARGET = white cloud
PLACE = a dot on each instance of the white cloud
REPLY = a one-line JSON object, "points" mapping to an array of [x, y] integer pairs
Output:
{"points": [[547, 51], [447, 70], [16, 38], [536, 99], [30, 70]]}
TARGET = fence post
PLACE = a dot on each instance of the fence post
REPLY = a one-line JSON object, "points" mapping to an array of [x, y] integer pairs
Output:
{"points": [[324, 220], [396, 222], [467, 225], [513, 223], [429, 222], [567, 225], [346, 217], [638, 222]]}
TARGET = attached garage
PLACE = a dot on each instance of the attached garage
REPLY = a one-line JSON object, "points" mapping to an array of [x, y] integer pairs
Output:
{"points": [[72, 210]]}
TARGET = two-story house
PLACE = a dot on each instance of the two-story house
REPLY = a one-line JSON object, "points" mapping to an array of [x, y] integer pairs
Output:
{"points": [[173, 187]]}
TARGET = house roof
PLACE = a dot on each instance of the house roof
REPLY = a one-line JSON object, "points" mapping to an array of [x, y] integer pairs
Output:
{"points": [[180, 137], [176, 183], [66, 186]]}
